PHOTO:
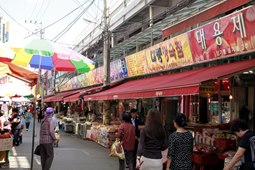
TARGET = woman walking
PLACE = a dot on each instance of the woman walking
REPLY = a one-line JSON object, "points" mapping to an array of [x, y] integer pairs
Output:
{"points": [[126, 133], [180, 146], [152, 142]]}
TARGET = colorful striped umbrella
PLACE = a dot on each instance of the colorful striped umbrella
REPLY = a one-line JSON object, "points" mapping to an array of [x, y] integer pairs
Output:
{"points": [[65, 57], [52, 56]]}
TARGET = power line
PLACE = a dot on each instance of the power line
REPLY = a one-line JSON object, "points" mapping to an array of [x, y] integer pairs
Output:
{"points": [[14, 19], [57, 20], [41, 7], [45, 9], [34, 9], [71, 24]]}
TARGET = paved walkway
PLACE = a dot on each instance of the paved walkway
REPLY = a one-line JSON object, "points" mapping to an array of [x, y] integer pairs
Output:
{"points": [[73, 153]]}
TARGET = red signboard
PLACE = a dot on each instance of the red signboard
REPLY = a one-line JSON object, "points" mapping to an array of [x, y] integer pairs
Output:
{"points": [[230, 35]]}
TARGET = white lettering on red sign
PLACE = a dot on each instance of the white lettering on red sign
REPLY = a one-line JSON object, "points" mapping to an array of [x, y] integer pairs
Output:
{"points": [[200, 37], [159, 93], [239, 25], [217, 33]]}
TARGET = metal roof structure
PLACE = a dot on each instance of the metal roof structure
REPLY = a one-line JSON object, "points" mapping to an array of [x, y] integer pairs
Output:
{"points": [[155, 31]]}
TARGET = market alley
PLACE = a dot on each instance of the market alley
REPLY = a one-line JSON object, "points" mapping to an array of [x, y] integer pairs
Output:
{"points": [[72, 153]]}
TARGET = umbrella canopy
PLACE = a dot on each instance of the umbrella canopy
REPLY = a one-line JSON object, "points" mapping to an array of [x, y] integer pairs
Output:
{"points": [[6, 53], [20, 99], [5, 99], [18, 72], [12, 89], [46, 55], [29, 96]]}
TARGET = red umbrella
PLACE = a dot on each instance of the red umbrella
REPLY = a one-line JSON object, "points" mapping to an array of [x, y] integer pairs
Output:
{"points": [[6, 53]]}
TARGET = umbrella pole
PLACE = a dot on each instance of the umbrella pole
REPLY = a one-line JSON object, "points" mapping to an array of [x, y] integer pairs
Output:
{"points": [[36, 92], [33, 134]]}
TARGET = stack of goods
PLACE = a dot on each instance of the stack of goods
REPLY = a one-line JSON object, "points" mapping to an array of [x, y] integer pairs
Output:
{"points": [[228, 157], [103, 134], [214, 140]]}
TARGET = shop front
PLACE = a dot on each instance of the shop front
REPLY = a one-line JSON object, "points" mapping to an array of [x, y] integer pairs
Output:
{"points": [[207, 96]]}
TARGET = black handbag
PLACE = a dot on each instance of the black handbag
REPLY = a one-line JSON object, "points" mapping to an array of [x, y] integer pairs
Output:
{"points": [[37, 150]]}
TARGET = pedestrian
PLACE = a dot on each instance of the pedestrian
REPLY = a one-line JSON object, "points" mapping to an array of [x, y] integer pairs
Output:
{"points": [[27, 117], [15, 120], [5, 109], [47, 139], [126, 133], [40, 115], [152, 142], [20, 127], [242, 131], [180, 147], [136, 122], [2, 120]]}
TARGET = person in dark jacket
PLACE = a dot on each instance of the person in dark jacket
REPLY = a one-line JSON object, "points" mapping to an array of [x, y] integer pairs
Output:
{"points": [[136, 122], [152, 142], [241, 130], [15, 121]]}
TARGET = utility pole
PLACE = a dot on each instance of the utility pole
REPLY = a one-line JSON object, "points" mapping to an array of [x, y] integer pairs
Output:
{"points": [[106, 38]]}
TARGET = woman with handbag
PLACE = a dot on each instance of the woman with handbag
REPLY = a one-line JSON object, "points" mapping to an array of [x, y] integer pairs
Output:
{"points": [[126, 133], [152, 142], [47, 139]]}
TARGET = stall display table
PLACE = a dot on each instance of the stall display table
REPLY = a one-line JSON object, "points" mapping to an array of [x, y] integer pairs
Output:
{"points": [[104, 135], [204, 161]]}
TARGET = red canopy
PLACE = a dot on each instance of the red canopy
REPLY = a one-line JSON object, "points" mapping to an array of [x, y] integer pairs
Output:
{"points": [[183, 83], [20, 73], [59, 96], [80, 92]]}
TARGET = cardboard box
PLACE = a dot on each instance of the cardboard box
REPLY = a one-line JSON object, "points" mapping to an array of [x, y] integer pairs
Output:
{"points": [[5, 144]]}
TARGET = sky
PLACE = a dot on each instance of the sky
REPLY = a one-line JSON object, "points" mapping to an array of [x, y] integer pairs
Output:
{"points": [[65, 22]]}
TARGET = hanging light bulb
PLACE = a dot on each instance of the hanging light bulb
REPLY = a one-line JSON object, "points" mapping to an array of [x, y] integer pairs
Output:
{"points": [[230, 97]]}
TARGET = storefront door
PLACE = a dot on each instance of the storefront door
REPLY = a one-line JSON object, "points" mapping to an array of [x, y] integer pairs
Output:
{"points": [[169, 109]]}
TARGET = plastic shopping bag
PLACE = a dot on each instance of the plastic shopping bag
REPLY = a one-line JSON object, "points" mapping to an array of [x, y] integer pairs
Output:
{"points": [[117, 150]]}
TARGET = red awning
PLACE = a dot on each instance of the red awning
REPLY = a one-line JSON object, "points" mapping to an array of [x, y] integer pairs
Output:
{"points": [[59, 96], [206, 15], [77, 95], [183, 83]]}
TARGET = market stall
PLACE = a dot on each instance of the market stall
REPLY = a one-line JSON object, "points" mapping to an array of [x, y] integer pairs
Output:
{"points": [[104, 135], [212, 145], [5, 145]]}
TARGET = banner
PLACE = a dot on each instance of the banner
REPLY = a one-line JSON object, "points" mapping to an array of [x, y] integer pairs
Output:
{"points": [[137, 64], [169, 54], [95, 76], [230, 35], [118, 70]]}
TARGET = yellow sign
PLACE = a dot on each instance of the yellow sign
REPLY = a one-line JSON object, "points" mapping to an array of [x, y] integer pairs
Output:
{"points": [[137, 64], [169, 54]]}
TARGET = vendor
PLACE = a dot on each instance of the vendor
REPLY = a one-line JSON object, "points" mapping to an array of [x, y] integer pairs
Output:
{"points": [[241, 130], [91, 116]]}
